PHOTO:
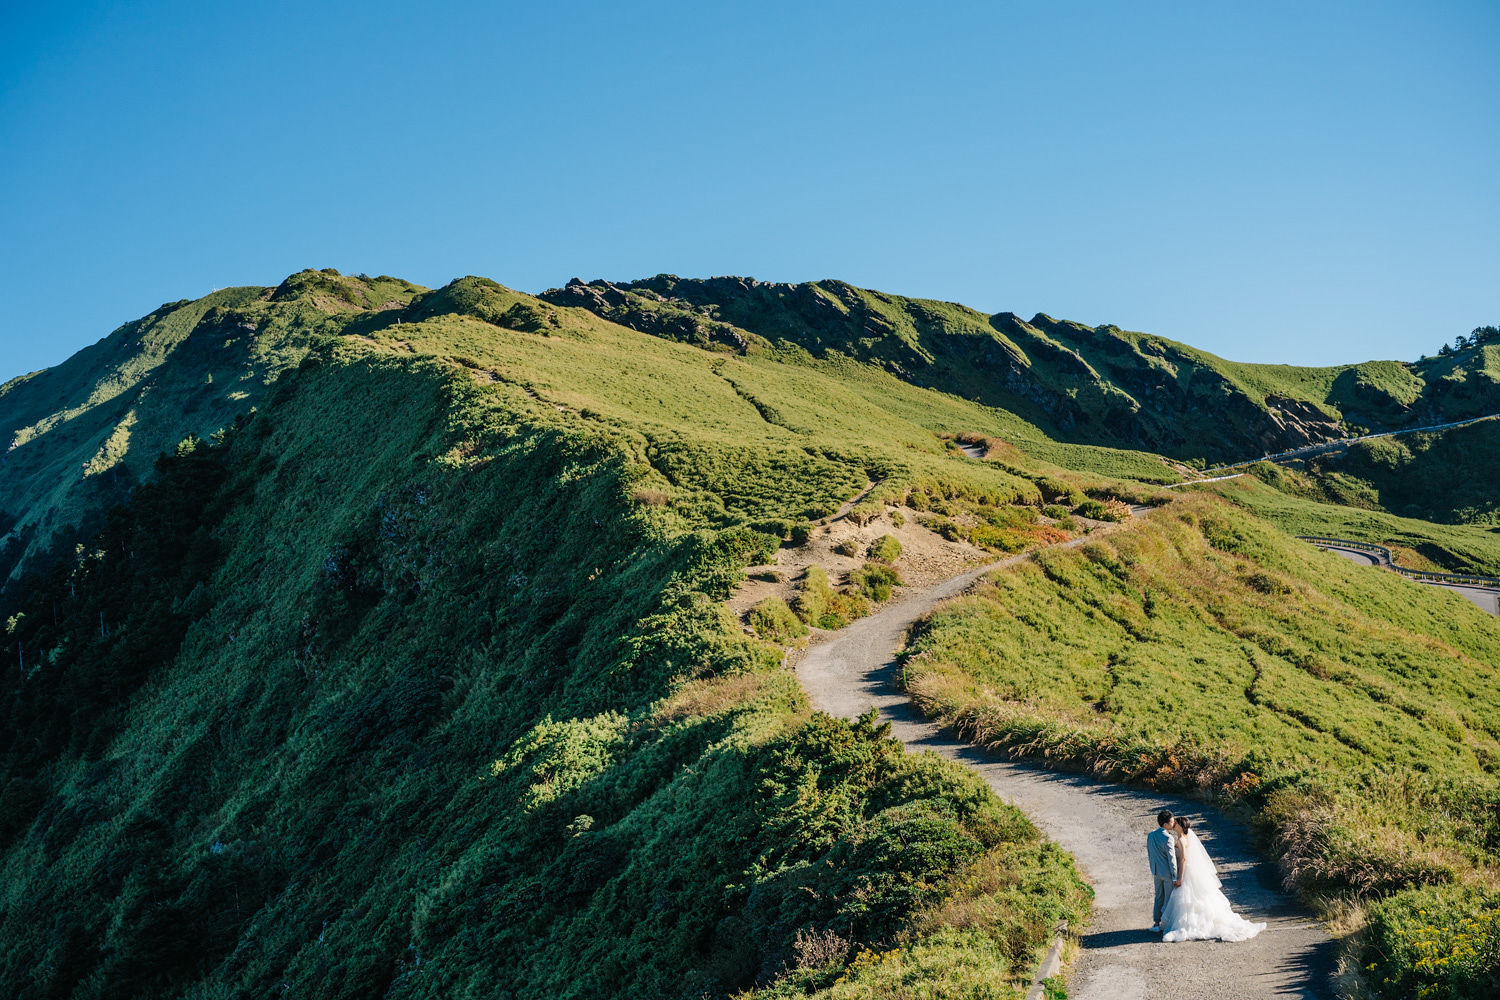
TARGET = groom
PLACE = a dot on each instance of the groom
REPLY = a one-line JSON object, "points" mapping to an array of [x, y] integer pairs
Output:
{"points": [[1160, 851]]}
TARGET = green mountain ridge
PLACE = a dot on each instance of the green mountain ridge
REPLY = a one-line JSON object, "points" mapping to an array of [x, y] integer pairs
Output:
{"points": [[429, 653], [394, 658], [1100, 385]]}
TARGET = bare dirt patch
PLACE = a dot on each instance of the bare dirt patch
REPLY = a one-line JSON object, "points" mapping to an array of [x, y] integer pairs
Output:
{"points": [[926, 557]]}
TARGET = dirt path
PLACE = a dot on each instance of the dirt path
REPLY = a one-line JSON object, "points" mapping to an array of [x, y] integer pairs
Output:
{"points": [[1104, 826]]}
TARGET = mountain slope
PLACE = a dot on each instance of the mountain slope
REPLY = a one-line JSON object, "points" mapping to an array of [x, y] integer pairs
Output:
{"points": [[1099, 385], [419, 678], [79, 436], [419, 682]]}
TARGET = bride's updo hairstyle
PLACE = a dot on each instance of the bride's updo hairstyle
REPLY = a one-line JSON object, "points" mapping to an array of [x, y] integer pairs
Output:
{"points": [[1182, 822]]}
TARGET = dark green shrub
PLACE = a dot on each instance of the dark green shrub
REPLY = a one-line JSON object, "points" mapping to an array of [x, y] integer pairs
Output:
{"points": [[800, 533], [1054, 510], [775, 527], [848, 547], [1058, 491], [944, 527], [1091, 509]]}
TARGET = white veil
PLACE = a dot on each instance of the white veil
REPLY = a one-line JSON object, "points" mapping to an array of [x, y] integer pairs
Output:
{"points": [[1198, 868]]}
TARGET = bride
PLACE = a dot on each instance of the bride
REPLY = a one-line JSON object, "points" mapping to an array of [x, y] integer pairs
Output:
{"points": [[1197, 909]]}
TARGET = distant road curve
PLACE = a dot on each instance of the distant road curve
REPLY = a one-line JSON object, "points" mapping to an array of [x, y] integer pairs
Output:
{"points": [[1482, 591], [1335, 445]]}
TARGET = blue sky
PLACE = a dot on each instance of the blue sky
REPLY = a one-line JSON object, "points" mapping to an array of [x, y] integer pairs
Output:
{"points": [[1308, 183]]}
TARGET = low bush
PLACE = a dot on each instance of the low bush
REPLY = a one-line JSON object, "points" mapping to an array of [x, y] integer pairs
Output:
{"points": [[819, 604], [813, 596], [866, 511], [1436, 941], [848, 547], [799, 534], [1107, 508], [886, 549], [774, 622], [875, 580]]}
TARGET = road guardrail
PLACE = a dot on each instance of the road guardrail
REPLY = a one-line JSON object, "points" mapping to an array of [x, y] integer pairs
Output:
{"points": [[1389, 561]]}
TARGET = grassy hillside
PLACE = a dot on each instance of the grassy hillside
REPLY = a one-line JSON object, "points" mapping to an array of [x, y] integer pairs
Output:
{"points": [[1299, 506], [419, 682], [1450, 476], [79, 436], [1063, 381], [1353, 712], [407, 671]]}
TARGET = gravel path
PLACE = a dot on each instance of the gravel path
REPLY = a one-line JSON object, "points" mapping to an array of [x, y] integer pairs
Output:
{"points": [[1104, 826]]}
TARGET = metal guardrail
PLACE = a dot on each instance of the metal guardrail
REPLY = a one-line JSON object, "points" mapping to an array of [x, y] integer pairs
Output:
{"points": [[1420, 575]]}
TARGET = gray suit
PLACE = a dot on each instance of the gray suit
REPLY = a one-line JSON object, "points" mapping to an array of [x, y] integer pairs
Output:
{"points": [[1162, 852]]}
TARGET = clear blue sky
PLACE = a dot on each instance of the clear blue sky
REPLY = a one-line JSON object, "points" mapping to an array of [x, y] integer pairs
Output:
{"points": [[1310, 183]]}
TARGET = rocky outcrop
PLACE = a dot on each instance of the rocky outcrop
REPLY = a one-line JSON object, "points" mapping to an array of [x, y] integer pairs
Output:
{"points": [[1295, 422]]}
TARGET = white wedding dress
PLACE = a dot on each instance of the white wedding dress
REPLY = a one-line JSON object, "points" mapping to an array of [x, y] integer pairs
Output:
{"points": [[1197, 910]]}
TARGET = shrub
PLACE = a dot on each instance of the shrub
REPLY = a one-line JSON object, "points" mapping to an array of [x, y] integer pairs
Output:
{"points": [[775, 527], [1054, 510], [848, 547], [774, 621], [918, 500], [1092, 509], [754, 547], [875, 580], [819, 604], [886, 549], [1058, 491], [1433, 941], [800, 533], [944, 527], [814, 596], [898, 518]]}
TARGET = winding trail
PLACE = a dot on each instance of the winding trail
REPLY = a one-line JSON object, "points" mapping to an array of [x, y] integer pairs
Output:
{"points": [[1103, 825]]}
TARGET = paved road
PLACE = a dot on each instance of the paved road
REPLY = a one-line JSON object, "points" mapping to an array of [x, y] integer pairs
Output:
{"points": [[1339, 443], [1481, 597], [1104, 826]]}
